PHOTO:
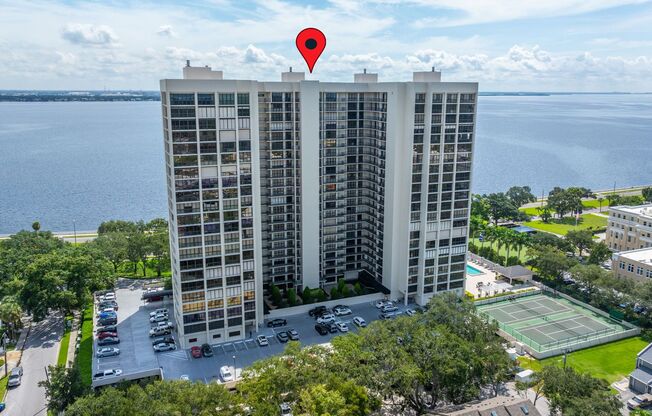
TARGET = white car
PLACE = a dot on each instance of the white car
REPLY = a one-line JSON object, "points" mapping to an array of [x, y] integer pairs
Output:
{"points": [[342, 327], [161, 311], [410, 312], [359, 321], [262, 340], [341, 311], [114, 372], [389, 308], [383, 302], [107, 352], [108, 296], [184, 377], [326, 319], [164, 325], [159, 318], [225, 373], [163, 346]]}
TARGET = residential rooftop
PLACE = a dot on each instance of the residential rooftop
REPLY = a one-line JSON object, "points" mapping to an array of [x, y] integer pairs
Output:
{"points": [[642, 255], [499, 407], [641, 210]]}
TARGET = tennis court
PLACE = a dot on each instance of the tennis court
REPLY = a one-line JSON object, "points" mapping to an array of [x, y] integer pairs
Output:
{"points": [[545, 323]]}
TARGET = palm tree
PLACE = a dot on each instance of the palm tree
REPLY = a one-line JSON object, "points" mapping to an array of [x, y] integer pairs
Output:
{"points": [[600, 200], [10, 313], [490, 235], [521, 240], [36, 226], [510, 240], [501, 238]]}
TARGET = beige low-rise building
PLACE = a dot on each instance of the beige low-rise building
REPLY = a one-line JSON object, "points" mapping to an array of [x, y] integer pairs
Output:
{"points": [[629, 228], [636, 264]]}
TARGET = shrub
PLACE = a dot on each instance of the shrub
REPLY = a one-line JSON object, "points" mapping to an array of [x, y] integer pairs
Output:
{"points": [[335, 293], [345, 292], [292, 297], [307, 295], [358, 289], [321, 295], [277, 298]]}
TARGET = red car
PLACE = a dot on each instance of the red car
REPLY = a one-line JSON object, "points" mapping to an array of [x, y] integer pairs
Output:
{"points": [[196, 352], [103, 335]]}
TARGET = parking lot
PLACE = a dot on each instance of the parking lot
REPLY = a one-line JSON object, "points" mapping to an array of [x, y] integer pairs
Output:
{"points": [[248, 351], [137, 356], [136, 353]]}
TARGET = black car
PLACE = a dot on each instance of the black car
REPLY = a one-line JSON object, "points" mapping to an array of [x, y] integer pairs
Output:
{"points": [[317, 311], [283, 336], [332, 328], [108, 341], [293, 334], [165, 339], [321, 329], [207, 350], [107, 321], [276, 323]]}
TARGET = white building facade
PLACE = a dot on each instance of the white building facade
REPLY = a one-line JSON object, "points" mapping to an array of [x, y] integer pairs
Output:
{"points": [[301, 183]]}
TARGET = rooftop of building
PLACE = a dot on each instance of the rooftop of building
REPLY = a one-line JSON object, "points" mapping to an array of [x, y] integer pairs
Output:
{"points": [[499, 407], [646, 354], [641, 210], [641, 255]]}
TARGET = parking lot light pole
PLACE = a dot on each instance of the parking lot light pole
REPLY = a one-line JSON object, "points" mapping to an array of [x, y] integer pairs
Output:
{"points": [[235, 373]]}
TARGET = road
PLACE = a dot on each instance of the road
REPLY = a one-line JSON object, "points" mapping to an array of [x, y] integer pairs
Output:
{"points": [[41, 350]]}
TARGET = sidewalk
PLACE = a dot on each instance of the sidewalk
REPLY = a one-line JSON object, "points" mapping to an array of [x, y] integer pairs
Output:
{"points": [[73, 337]]}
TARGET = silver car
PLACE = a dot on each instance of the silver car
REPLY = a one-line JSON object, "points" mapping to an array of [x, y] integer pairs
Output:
{"points": [[15, 377], [107, 352]]}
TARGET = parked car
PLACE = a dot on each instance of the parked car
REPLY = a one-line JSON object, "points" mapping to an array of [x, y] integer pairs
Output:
{"points": [[286, 410], [164, 346], [359, 321], [107, 296], [410, 312], [387, 315], [332, 327], [107, 352], [293, 334], [164, 324], [274, 323], [107, 328], [108, 304], [389, 308], [262, 340], [157, 332], [283, 336], [225, 373], [159, 318], [108, 341], [105, 315], [159, 311], [107, 321], [207, 350], [113, 372], [107, 335], [195, 352], [342, 310], [166, 339], [15, 377], [638, 402], [321, 329], [324, 319], [317, 311], [382, 302], [107, 310], [342, 327]]}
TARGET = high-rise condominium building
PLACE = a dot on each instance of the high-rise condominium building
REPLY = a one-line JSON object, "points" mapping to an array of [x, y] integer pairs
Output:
{"points": [[300, 183]]}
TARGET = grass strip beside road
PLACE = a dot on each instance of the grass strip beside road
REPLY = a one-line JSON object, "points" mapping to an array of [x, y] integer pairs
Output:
{"points": [[62, 359], [85, 354], [562, 226], [611, 361], [3, 387]]}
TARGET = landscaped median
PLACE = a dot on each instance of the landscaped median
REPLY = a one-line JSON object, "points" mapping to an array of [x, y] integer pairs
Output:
{"points": [[610, 362], [85, 353]]}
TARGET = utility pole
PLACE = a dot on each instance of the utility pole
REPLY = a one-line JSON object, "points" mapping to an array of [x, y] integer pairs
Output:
{"points": [[74, 230], [235, 372]]}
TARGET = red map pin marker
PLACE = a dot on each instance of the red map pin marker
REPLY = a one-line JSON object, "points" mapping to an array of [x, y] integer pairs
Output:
{"points": [[311, 43]]}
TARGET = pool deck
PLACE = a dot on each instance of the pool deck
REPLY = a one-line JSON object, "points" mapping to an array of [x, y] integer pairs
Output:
{"points": [[491, 283]]}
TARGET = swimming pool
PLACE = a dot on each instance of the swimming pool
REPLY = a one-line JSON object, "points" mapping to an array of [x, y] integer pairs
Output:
{"points": [[470, 270]]}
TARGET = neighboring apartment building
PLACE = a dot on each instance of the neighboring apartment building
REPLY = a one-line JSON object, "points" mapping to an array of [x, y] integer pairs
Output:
{"points": [[640, 380], [635, 264], [300, 183], [629, 228]]}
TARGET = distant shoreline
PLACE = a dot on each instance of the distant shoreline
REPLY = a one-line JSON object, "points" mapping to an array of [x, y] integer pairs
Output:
{"points": [[31, 96]]}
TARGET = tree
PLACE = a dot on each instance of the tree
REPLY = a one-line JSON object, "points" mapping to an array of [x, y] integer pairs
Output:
{"points": [[292, 297], [113, 245], [335, 294], [358, 289], [521, 240], [520, 195], [117, 226], [159, 243], [545, 212], [549, 261], [306, 295], [480, 207], [581, 239], [647, 194], [501, 208], [137, 249], [63, 387], [36, 226], [600, 201], [568, 200], [10, 314], [277, 298], [589, 276], [599, 253]]}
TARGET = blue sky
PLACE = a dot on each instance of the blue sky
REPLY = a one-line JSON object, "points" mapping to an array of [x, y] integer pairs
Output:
{"points": [[506, 45]]}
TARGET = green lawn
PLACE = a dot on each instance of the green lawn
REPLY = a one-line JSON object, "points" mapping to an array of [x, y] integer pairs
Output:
{"points": [[126, 269], [503, 250], [611, 361], [63, 349], [85, 354], [564, 225], [3, 387], [586, 203], [532, 211]]}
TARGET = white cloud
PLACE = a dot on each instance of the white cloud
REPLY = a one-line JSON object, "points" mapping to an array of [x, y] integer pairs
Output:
{"points": [[166, 31], [87, 34]]}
